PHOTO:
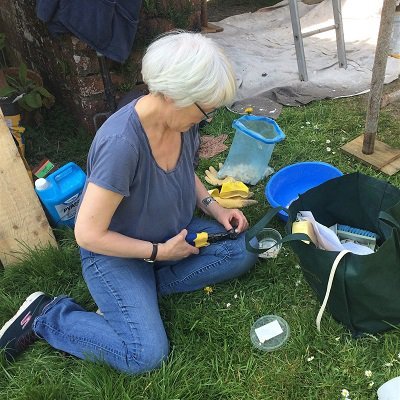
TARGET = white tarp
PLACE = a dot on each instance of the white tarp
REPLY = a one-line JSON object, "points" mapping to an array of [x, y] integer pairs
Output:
{"points": [[261, 48]]}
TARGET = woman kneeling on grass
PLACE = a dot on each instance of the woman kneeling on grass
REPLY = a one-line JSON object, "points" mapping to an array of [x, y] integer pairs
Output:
{"points": [[138, 205]]}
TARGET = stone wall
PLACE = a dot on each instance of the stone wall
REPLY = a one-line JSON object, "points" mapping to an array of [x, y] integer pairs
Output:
{"points": [[70, 68]]}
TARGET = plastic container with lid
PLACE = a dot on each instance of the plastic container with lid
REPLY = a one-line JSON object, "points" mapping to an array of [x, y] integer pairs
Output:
{"points": [[269, 333], [60, 194]]}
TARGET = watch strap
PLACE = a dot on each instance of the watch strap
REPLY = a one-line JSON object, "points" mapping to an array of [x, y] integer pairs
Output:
{"points": [[153, 254]]}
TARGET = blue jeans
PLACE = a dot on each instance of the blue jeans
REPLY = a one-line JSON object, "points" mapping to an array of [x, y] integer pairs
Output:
{"points": [[130, 336]]}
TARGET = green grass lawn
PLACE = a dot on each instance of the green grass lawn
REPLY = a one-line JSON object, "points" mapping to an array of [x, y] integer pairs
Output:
{"points": [[212, 356]]}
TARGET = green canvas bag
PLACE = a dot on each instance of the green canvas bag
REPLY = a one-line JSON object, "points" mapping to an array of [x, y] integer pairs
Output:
{"points": [[365, 289]]}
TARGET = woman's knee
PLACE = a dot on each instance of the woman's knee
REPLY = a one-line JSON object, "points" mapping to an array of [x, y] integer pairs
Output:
{"points": [[149, 356], [241, 259]]}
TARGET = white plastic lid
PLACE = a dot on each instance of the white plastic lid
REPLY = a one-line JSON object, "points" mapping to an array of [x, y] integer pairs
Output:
{"points": [[41, 184], [390, 389]]}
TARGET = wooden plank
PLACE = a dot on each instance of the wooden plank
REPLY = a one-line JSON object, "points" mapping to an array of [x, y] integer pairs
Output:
{"points": [[23, 222], [382, 155], [391, 168]]}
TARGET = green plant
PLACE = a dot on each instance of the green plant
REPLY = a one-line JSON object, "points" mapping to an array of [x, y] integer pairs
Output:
{"points": [[150, 6], [3, 62], [2, 41], [29, 94]]}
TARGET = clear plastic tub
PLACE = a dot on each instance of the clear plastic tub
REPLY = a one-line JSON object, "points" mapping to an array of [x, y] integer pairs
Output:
{"points": [[251, 149], [269, 333], [268, 239]]}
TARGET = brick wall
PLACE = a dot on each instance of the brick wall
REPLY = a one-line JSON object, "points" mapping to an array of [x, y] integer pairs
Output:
{"points": [[70, 68]]}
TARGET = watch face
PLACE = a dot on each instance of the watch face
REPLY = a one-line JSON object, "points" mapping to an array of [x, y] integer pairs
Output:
{"points": [[207, 201]]}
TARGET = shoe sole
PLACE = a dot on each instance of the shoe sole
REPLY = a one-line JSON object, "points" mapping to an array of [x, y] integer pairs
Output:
{"points": [[29, 300]]}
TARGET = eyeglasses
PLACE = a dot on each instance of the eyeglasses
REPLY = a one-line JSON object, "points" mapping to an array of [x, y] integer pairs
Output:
{"points": [[207, 116]]}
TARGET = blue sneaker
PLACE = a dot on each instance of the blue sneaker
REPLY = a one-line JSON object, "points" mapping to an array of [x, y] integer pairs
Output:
{"points": [[17, 334]]}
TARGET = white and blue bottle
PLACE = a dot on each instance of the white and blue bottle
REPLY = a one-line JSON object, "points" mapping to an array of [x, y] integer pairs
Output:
{"points": [[60, 194]]}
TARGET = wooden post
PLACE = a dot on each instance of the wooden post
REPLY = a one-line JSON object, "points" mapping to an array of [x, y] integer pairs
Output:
{"points": [[204, 14], [23, 223], [378, 75], [206, 27]]}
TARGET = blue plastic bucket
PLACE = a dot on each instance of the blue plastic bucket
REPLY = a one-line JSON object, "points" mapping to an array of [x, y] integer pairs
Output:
{"points": [[285, 185], [60, 194], [251, 149]]}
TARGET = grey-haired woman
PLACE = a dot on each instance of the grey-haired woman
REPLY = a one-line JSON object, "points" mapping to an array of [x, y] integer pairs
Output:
{"points": [[137, 208]]}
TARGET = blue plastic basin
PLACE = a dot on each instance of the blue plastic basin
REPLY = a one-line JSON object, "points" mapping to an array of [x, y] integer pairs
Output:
{"points": [[286, 184]]}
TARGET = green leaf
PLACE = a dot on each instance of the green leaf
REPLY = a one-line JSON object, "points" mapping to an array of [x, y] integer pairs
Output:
{"points": [[7, 91], [23, 105], [33, 100], [22, 73], [2, 41], [47, 98], [13, 82], [44, 92], [48, 101]]}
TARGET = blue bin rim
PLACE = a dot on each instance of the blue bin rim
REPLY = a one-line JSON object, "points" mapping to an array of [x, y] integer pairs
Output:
{"points": [[237, 124], [276, 176]]}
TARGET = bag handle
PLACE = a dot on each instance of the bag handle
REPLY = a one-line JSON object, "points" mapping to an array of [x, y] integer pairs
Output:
{"points": [[329, 287], [386, 217], [261, 224]]}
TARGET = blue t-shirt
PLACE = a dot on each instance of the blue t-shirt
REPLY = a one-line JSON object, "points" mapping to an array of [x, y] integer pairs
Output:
{"points": [[157, 204]]}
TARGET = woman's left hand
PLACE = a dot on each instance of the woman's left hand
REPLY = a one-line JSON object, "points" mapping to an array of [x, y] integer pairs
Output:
{"points": [[232, 218]]}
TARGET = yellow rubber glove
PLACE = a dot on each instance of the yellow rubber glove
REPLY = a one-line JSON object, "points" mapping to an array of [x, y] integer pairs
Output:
{"points": [[232, 202], [212, 177], [234, 189]]}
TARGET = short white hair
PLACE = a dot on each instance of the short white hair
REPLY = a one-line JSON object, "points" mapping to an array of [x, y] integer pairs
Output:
{"points": [[189, 68]]}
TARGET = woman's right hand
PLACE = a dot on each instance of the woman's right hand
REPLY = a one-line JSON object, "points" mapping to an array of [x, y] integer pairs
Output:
{"points": [[176, 248]]}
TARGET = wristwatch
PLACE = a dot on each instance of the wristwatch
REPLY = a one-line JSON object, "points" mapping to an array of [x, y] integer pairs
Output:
{"points": [[153, 254], [207, 201]]}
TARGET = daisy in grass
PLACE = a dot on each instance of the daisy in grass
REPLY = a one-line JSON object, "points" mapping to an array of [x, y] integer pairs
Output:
{"points": [[345, 394], [208, 290]]}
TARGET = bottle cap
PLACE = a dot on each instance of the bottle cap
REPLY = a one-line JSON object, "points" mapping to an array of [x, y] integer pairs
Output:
{"points": [[41, 184]]}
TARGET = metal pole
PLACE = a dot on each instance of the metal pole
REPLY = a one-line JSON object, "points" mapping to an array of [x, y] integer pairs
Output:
{"points": [[378, 75], [108, 86], [298, 40], [320, 30], [341, 49]]}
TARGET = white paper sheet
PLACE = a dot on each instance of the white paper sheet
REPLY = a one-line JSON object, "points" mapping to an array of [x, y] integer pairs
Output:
{"points": [[327, 239], [268, 331]]}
